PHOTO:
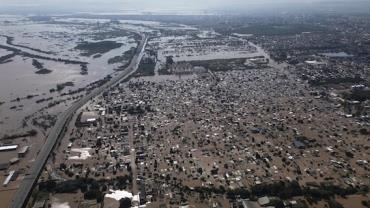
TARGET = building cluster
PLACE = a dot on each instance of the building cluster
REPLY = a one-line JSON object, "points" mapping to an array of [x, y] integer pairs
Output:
{"points": [[10, 167], [235, 125], [234, 129], [98, 145]]}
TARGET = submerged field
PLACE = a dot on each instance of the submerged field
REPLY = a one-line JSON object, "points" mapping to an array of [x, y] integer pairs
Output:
{"points": [[38, 56]]}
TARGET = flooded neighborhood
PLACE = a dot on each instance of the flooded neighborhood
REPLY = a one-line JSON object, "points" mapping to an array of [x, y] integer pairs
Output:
{"points": [[108, 110]]}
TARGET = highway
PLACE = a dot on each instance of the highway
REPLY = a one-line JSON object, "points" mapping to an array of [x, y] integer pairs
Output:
{"points": [[20, 199]]}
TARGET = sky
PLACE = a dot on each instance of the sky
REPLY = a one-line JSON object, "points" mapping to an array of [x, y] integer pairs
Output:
{"points": [[172, 5]]}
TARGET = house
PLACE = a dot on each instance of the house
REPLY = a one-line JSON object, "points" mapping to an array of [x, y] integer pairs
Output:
{"points": [[267, 201], [14, 160], [181, 68], [89, 204], [86, 119], [8, 148], [298, 144], [23, 151], [248, 204], [4, 166], [136, 200], [40, 204], [264, 201], [8, 178]]}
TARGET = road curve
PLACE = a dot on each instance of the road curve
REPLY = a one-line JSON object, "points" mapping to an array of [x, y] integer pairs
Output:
{"points": [[23, 193]]}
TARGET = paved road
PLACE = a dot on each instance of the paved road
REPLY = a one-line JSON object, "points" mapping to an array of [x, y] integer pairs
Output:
{"points": [[21, 197]]}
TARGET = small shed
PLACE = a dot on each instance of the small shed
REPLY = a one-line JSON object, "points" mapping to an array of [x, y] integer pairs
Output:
{"points": [[23, 151]]}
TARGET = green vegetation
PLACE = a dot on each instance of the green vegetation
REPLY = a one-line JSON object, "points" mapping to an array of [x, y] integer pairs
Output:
{"points": [[83, 69], [44, 121], [91, 48], [125, 57], [335, 80], [91, 188], [334, 204], [29, 133], [284, 190], [221, 64], [125, 203], [278, 29], [165, 70], [84, 184], [10, 40], [43, 71], [357, 95], [17, 52], [94, 194], [117, 59], [146, 67], [110, 34], [281, 189], [40, 66], [61, 86], [37, 64], [7, 58], [366, 204]]}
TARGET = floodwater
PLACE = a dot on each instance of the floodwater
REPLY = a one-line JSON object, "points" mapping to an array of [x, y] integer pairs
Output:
{"points": [[58, 40], [4, 52], [337, 55], [18, 78], [186, 48]]}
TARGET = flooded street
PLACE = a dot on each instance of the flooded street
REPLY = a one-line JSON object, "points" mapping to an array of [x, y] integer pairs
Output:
{"points": [[117, 110]]}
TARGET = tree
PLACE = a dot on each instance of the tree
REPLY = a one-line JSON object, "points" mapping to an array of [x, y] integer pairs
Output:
{"points": [[169, 60], [155, 164], [48, 185], [200, 171], [125, 203], [99, 197], [62, 166], [99, 143], [334, 204], [91, 194], [366, 204]]}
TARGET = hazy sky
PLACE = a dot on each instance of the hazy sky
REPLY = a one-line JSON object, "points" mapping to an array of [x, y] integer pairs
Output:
{"points": [[155, 5]]}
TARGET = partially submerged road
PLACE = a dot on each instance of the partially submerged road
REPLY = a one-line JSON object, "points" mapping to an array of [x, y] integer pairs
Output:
{"points": [[21, 197]]}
